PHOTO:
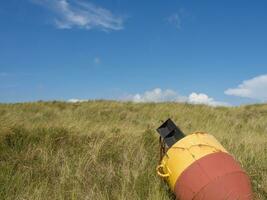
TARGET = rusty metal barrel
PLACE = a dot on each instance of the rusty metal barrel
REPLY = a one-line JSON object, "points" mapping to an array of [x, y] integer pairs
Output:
{"points": [[197, 167]]}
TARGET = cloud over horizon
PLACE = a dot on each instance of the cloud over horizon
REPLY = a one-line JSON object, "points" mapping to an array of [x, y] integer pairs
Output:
{"points": [[168, 95], [202, 98], [81, 14], [156, 95], [76, 100], [255, 88]]}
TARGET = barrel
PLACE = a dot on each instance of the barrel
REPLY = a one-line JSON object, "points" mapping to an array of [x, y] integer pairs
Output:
{"points": [[198, 167]]}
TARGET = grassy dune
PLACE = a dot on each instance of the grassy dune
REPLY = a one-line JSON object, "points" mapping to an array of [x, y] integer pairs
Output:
{"points": [[109, 150]]}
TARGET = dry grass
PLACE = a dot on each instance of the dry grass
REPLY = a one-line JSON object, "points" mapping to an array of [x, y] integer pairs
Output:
{"points": [[109, 150]]}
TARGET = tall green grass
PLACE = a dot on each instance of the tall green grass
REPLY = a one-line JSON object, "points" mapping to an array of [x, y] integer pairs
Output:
{"points": [[109, 150]]}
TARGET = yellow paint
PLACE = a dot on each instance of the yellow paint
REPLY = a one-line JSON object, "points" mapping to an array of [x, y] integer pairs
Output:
{"points": [[184, 152]]}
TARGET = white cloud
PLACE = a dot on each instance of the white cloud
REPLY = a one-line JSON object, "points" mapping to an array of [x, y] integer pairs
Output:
{"points": [[81, 14], [76, 100], [201, 98], [255, 88], [175, 20], [159, 95], [155, 95]]}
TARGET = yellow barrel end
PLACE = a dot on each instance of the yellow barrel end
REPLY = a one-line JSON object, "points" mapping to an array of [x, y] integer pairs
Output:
{"points": [[184, 152]]}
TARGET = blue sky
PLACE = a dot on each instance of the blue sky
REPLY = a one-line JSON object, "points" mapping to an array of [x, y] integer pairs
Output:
{"points": [[211, 52]]}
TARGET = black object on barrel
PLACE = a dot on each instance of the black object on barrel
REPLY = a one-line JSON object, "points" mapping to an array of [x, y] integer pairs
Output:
{"points": [[170, 133]]}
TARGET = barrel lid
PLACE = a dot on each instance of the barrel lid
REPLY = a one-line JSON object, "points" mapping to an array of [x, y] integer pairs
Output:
{"points": [[170, 133]]}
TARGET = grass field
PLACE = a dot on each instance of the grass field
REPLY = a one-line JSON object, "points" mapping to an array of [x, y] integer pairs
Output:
{"points": [[109, 150]]}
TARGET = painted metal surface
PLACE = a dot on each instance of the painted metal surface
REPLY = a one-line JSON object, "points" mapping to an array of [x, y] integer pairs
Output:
{"points": [[216, 176], [184, 152], [198, 167]]}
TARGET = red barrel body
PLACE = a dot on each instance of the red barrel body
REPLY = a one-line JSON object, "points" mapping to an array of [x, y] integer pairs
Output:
{"points": [[216, 176], [197, 167]]}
